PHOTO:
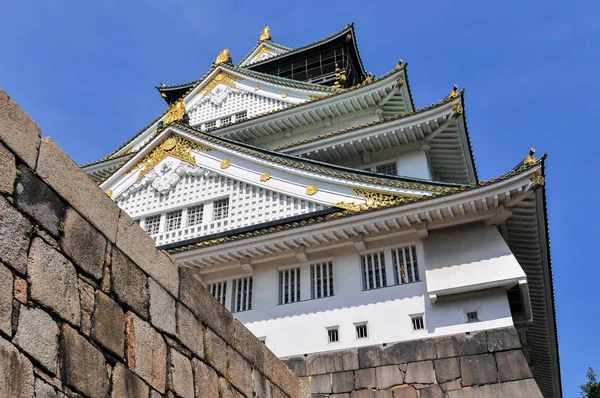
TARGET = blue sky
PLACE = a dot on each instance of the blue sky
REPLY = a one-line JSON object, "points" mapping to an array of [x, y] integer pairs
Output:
{"points": [[86, 71]]}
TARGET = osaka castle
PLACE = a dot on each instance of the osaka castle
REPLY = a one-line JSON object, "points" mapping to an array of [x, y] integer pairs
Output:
{"points": [[328, 212]]}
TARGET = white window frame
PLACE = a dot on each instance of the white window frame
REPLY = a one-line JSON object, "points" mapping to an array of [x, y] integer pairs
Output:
{"points": [[214, 209], [245, 296], [326, 289], [286, 272], [414, 317], [404, 273], [158, 229], [360, 325], [335, 329], [363, 272], [171, 215], [200, 213], [213, 289]]}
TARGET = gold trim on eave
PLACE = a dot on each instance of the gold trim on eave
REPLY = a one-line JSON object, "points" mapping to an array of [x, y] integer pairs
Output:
{"points": [[225, 163], [265, 177], [221, 78], [176, 112], [312, 189]]}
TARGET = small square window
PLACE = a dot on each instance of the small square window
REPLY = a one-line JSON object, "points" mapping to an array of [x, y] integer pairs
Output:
{"points": [[152, 224], [220, 209], [225, 120], [418, 323], [210, 125], [472, 316], [361, 331], [333, 334], [241, 116]]}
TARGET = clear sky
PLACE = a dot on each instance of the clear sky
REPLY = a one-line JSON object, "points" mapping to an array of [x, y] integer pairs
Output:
{"points": [[86, 71]]}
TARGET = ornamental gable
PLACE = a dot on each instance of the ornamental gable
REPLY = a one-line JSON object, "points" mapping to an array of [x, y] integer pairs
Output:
{"points": [[262, 52]]}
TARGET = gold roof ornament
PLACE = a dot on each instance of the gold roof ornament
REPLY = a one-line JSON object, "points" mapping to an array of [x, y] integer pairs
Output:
{"points": [[454, 93], [265, 34], [340, 77], [223, 57], [530, 159], [399, 66], [176, 112]]}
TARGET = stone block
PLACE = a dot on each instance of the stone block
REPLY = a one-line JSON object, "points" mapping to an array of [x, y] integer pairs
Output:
{"points": [[20, 290], [214, 351], [343, 395], [409, 351], [451, 385], [206, 381], [108, 324], [365, 378], [84, 244], [261, 385], [279, 374], [129, 283], [86, 303], [478, 369], [205, 306], [15, 233], [226, 390], [45, 390], [190, 331], [419, 372], [512, 365], [140, 247], [162, 308], [18, 131], [53, 281], [362, 394], [146, 352], [296, 365], [350, 360], [6, 300], [59, 171], [405, 392], [41, 203], [83, 366], [523, 389], [503, 339], [37, 335], [248, 345], [126, 384], [17, 372], [471, 343], [431, 392], [388, 376], [321, 384], [8, 170], [384, 394], [446, 369], [181, 377], [369, 357], [239, 371], [343, 381]]}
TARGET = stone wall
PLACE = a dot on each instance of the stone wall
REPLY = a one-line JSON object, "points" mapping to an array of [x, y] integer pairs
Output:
{"points": [[89, 307], [479, 364]]}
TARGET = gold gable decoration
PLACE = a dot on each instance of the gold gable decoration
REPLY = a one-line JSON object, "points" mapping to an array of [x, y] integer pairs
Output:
{"points": [[373, 200], [265, 34], [175, 146], [223, 57], [176, 112], [264, 50], [221, 78]]}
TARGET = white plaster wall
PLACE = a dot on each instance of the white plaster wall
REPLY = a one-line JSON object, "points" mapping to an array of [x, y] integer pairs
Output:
{"points": [[414, 164]]}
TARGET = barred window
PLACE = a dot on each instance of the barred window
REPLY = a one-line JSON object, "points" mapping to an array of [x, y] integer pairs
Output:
{"points": [[389, 168], [361, 330], [241, 299], [218, 290], [194, 215], [373, 270], [404, 260], [220, 209], [321, 276], [333, 334], [241, 116], [472, 316], [173, 220], [417, 322], [210, 125], [289, 286], [152, 224]]}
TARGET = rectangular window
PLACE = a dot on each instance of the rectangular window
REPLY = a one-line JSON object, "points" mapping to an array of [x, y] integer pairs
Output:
{"points": [[173, 220], [417, 322], [194, 215], [321, 277], [225, 120], [404, 260], [289, 285], [373, 270], [210, 125], [361, 330], [333, 334], [218, 290], [220, 209], [472, 316], [389, 168], [241, 116], [241, 299], [152, 224]]}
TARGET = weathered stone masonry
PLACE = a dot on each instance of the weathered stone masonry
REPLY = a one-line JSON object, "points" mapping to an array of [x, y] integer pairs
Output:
{"points": [[89, 307]]}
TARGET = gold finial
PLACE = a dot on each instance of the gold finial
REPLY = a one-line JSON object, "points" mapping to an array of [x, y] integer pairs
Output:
{"points": [[530, 159], [399, 66], [265, 34], [176, 112], [223, 57], [454, 93]]}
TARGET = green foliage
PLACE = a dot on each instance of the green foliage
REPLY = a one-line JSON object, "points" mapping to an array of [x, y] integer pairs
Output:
{"points": [[591, 389], [61, 227], [18, 172]]}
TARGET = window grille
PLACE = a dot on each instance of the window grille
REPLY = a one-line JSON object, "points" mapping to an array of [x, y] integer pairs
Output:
{"points": [[289, 286], [333, 334], [373, 270], [225, 120], [173, 220], [404, 260], [389, 168], [218, 290], [417, 322], [321, 276], [472, 316], [152, 224], [210, 125], [241, 299], [194, 215], [220, 209], [361, 331], [241, 116]]}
